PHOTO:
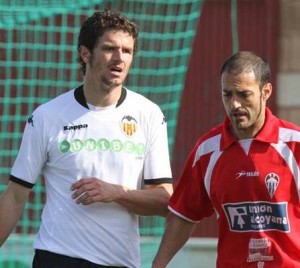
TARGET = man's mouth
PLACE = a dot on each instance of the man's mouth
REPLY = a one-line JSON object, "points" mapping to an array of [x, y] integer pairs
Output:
{"points": [[239, 115], [116, 69]]}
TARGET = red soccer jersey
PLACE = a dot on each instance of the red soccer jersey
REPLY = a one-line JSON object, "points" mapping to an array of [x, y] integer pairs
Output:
{"points": [[253, 187]]}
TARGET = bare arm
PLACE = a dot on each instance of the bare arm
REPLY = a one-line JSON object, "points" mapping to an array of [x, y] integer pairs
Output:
{"points": [[12, 203], [175, 236], [150, 201]]}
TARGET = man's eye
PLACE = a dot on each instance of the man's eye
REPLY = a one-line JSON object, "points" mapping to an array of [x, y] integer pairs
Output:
{"points": [[108, 48], [245, 95], [128, 51], [227, 94]]}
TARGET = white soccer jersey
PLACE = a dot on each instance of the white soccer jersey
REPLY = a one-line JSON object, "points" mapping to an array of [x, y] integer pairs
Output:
{"points": [[65, 141], [254, 190]]}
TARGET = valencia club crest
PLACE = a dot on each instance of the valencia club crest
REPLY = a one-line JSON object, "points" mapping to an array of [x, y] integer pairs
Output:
{"points": [[128, 125]]}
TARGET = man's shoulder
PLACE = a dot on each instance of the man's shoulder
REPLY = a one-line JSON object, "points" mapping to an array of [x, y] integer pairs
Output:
{"points": [[49, 111], [288, 131], [135, 95], [59, 102], [214, 132], [210, 141], [140, 101], [288, 125]]}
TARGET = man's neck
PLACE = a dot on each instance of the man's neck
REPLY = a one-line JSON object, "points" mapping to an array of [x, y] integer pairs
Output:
{"points": [[102, 96]]}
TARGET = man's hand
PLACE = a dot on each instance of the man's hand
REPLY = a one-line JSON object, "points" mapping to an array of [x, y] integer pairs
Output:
{"points": [[90, 190], [153, 200]]}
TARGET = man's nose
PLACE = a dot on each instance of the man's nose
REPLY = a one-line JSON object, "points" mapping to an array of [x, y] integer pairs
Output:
{"points": [[235, 102], [118, 54]]}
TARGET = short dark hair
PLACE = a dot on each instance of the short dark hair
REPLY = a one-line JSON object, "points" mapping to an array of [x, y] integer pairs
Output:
{"points": [[246, 61], [96, 25]]}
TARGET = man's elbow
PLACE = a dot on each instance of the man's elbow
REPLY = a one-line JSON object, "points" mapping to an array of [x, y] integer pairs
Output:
{"points": [[165, 200]]}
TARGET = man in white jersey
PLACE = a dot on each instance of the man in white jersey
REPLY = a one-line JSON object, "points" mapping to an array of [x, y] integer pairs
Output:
{"points": [[97, 146], [246, 170]]}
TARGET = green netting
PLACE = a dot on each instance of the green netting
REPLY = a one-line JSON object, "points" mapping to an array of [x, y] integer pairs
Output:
{"points": [[38, 62]]}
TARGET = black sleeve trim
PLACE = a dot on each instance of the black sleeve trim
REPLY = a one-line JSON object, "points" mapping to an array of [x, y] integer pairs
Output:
{"points": [[21, 182], [158, 181]]}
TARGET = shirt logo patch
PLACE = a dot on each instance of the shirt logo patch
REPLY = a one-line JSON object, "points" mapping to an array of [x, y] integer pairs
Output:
{"points": [[244, 173], [272, 181], [128, 125], [259, 251], [257, 216]]}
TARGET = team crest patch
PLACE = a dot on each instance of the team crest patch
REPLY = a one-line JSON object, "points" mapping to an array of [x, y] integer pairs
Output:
{"points": [[128, 125], [272, 181]]}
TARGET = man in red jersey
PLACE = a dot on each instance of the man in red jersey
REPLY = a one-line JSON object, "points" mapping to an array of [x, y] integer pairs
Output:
{"points": [[246, 170]]}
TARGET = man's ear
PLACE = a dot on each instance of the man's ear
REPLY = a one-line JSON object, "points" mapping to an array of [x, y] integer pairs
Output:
{"points": [[84, 54], [266, 91]]}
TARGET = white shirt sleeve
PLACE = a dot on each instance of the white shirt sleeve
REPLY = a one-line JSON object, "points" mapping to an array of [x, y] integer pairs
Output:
{"points": [[32, 154], [157, 162]]}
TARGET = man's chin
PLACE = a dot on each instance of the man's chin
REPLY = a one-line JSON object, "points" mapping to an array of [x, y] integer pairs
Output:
{"points": [[112, 83], [240, 125]]}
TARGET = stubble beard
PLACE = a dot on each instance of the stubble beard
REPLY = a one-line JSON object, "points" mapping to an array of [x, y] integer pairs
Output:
{"points": [[247, 126], [109, 84], [240, 125]]}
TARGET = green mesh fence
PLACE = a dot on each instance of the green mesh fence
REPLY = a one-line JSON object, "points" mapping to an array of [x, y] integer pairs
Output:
{"points": [[38, 62]]}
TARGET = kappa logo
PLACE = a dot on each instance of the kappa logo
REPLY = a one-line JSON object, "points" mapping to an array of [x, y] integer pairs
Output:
{"points": [[272, 181], [30, 120], [75, 127], [129, 125]]}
